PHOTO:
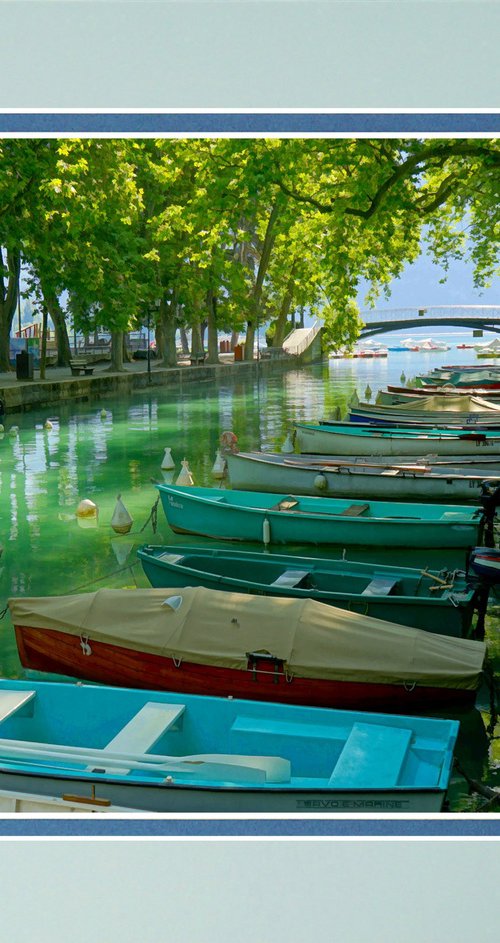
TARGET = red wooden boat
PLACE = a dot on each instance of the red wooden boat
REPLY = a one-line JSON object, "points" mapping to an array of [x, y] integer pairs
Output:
{"points": [[202, 641]]}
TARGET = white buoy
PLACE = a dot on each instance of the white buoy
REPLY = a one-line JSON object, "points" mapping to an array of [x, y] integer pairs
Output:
{"points": [[14, 430], [219, 466], [103, 414], [402, 378], [47, 424], [368, 393], [87, 513], [320, 482], [266, 532], [288, 447], [168, 476], [185, 477], [121, 522], [167, 461]]}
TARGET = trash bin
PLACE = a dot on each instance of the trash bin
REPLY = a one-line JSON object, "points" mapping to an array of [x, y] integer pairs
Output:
{"points": [[239, 351], [24, 365]]}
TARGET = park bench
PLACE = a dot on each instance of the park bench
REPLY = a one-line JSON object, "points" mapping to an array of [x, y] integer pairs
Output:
{"points": [[197, 359], [80, 365]]}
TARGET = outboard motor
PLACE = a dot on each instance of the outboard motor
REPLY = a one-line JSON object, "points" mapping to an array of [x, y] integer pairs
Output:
{"points": [[490, 500], [484, 562]]}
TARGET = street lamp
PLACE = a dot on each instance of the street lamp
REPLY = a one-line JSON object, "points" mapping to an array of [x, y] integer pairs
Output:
{"points": [[155, 307]]}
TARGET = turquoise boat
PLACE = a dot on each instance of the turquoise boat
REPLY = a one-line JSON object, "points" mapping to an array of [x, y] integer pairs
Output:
{"points": [[437, 601], [176, 753], [275, 518]]}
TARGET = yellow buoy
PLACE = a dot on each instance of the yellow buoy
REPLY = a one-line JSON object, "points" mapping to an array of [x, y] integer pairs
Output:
{"points": [[185, 476], [47, 424], [103, 414], [368, 393], [402, 378], [121, 522], [87, 513]]}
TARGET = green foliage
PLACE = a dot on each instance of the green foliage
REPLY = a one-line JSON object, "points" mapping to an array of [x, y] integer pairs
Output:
{"points": [[250, 229]]}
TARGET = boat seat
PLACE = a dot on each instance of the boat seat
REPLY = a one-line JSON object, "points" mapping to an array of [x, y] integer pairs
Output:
{"points": [[355, 510], [13, 701], [287, 504], [391, 472], [373, 757], [283, 728], [380, 586], [145, 729], [170, 557], [290, 578]]}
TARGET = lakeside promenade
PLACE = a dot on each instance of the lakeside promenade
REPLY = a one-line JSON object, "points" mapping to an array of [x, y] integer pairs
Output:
{"points": [[60, 386]]}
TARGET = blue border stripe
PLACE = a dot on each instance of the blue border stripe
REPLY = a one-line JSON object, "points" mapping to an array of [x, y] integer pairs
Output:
{"points": [[94, 827], [251, 123]]}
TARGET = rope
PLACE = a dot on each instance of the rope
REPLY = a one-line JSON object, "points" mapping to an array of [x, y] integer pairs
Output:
{"points": [[153, 517], [108, 576]]}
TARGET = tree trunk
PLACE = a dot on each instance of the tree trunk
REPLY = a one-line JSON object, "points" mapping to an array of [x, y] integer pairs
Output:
{"points": [[184, 341], [116, 365], [256, 296], [43, 349], [213, 347], [8, 302], [59, 321], [165, 341], [196, 344], [282, 318]]}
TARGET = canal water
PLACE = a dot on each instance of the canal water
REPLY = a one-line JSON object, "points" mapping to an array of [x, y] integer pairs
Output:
{"points": [[45, 473]]}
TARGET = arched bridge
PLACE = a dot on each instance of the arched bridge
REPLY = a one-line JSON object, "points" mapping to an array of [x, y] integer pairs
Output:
{"points": [[475, 317]]}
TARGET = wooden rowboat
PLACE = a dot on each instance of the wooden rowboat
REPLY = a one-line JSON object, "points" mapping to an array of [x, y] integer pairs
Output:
{"points": [[204, 641], [163, 752]]}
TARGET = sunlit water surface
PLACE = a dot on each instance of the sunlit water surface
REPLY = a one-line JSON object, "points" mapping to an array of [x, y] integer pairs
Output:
{"points": [[44, 474]]}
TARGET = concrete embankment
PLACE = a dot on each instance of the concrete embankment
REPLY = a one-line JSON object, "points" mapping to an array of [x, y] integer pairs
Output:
{"points": [[58, 387]]}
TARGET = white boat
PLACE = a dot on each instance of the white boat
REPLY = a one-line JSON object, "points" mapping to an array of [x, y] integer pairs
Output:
{"points": [[259, 471]]}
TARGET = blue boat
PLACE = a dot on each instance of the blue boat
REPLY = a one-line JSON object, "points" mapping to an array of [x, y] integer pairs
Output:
{"points": [[176, 753], [275, 518]]}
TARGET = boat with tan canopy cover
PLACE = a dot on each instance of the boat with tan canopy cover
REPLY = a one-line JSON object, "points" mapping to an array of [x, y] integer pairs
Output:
{"points": [[256, 647]]}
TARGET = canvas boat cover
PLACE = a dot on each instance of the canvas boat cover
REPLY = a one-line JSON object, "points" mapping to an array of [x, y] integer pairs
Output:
{"points": [[314, 640], [448, 404]]}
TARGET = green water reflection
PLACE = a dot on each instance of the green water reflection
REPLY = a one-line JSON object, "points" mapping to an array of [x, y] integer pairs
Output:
{"points": [[44, 474]]}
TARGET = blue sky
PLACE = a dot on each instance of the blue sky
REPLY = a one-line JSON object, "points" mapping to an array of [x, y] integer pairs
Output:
{"points": [[248, 891]]}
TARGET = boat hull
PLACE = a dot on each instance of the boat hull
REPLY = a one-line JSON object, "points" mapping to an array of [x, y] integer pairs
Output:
{"points": [[252, 473], [442, 615], [176, 799], [61, 653]]}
